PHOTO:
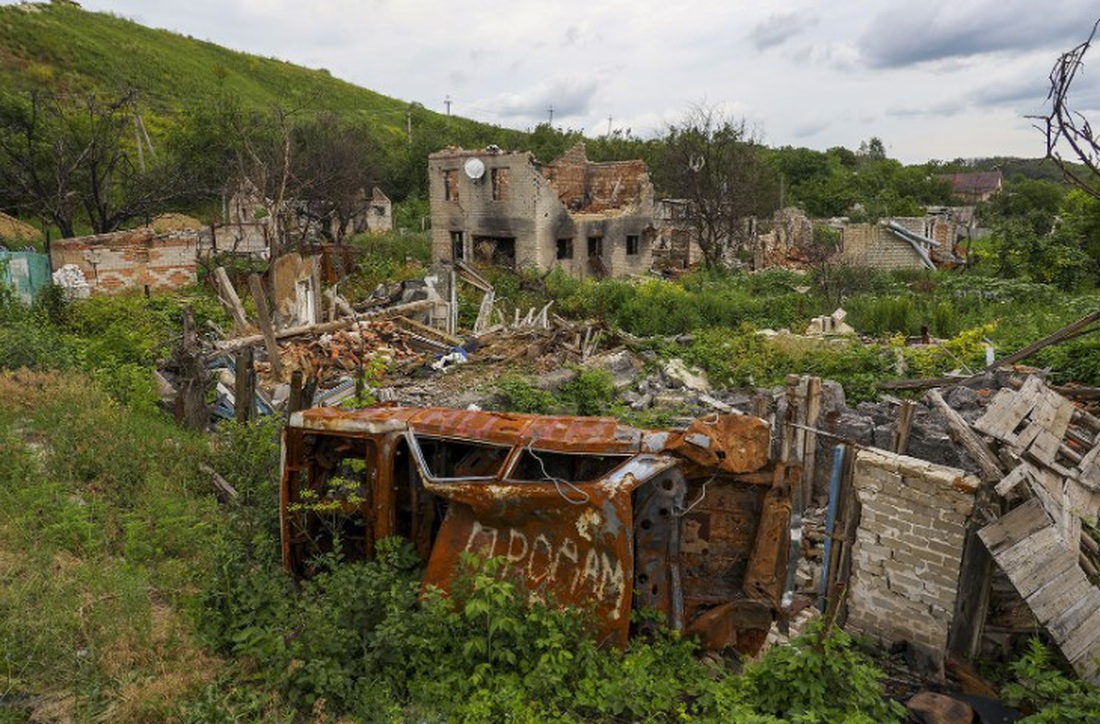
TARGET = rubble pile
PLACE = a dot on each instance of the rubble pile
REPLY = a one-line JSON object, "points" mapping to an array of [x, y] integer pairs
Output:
{"points": [[344, 352]]}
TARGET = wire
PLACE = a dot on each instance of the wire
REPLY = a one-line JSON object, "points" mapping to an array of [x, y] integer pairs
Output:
{"points": [[559, 482], [702, 494]]}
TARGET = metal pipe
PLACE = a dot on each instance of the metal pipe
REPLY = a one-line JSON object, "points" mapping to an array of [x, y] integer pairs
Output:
{"points": [[839, 453]]}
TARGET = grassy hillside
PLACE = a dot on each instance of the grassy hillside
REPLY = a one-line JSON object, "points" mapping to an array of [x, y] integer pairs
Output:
{"points": [[66, 49]]}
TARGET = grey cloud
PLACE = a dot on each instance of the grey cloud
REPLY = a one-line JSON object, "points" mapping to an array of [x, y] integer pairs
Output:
{"points": [[569, 97], [779, 28], [931, 31], [810, 129]]}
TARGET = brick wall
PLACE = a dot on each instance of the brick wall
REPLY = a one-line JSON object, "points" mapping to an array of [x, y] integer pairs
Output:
{"points": [[137, 258], [908, 546], [871, 245]]}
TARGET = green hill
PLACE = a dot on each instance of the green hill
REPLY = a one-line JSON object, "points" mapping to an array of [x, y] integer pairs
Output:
{"points": [[60, 47]]}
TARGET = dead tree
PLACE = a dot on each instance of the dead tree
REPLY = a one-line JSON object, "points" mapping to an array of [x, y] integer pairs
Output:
{"points": [[1066, 128]]}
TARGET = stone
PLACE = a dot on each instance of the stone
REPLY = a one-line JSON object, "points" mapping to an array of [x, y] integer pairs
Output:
{"points": [[931, 708], [691, 378]]}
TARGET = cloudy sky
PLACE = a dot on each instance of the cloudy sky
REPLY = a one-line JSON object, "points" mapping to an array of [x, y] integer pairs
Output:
{"points": [[933, 79]]}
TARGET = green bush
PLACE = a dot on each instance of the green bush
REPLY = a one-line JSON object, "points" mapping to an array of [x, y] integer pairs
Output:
{"points": [[820, 677], [1051, 695]]}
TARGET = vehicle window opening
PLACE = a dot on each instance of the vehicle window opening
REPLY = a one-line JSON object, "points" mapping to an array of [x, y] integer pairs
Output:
{"points": [[461, 459], [540, 465]]}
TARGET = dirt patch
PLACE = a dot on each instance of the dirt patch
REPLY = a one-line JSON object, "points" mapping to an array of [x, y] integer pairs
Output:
{"points": [[14, 230], [175, 222], [158, 672]]}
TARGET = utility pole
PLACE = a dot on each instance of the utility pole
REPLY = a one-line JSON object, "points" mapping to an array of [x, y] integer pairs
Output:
{"points": [[409, 125], [609, 126], [447, 102], [550, 110]]}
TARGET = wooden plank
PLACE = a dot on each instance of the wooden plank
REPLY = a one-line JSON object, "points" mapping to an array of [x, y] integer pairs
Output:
{"points": [[1059, 593], [268, 331], [229, 297], [1083, 642], [1009, 408], [1037, 571], [1014, 526], [244, 388], [1067, 332], [1015, 557], [809, 455], [1067, 621], [254, 339], [900, 440], [1049, 421], [960, 431], [1009, 482]]}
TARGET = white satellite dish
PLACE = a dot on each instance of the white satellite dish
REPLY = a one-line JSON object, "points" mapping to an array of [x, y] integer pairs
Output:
{"points": [[474, 168]]}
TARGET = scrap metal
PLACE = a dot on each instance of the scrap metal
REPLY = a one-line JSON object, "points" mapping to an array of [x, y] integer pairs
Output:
{"points": [[693, 522]]}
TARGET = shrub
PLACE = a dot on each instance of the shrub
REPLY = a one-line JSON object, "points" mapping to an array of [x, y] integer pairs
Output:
{"points": [[820, 677], [1051, 695]]}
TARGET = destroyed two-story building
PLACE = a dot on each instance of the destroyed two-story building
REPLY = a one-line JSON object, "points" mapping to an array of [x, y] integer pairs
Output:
{"points": [[505, 208]]}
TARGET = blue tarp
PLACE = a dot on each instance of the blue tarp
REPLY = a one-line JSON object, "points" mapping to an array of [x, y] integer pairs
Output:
{"points": [[25, 271]]}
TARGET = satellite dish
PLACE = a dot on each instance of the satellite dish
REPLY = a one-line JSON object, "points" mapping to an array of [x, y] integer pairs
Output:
{"points": [[474, 168]]}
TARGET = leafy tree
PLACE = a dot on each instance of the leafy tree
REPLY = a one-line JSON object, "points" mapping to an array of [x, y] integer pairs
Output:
{"points": [[714, 163]]}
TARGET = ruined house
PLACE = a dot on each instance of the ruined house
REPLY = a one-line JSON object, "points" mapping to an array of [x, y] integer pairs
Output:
{"points": [[505, 208], [974, 187]]}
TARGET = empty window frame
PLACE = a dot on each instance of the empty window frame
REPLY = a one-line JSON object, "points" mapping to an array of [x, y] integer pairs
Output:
{"points": [[633, 244], [449, 459], [450, 185], [565, 249], [499, 178], [547, 466], [458, 246]]}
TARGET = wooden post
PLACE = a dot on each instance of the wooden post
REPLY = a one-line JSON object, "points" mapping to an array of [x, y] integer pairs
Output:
{"points": [[229, 297], [961, 433], [809, 451], [295, 402], [268, 331], [900, 440], [190, 406], [245, 386]]}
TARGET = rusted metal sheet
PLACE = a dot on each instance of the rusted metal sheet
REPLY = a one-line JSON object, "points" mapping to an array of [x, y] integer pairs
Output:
{"points": [[691, 523]]}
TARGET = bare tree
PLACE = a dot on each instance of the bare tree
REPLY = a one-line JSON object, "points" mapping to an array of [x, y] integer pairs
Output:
{"points": [[335, 165], [1068, 129], [714, 163], [65, 159]]}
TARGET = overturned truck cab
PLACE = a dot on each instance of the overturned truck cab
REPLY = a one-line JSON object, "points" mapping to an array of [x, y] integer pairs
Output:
{"points": [[692, 522]]}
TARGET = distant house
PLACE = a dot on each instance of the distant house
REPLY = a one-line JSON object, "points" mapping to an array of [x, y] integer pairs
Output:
{"points": [[505, 208], [975, 187]]}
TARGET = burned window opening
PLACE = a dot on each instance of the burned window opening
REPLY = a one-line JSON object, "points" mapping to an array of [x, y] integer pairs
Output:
{"points": [[446, 459], [633, 244], [545, 465], [458, 246], [450, 185], [499, 178], [565, 249], [495, 251]]}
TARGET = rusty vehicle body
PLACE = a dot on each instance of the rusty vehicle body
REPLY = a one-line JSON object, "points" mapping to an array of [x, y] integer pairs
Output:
{"points": [[691, 522]]}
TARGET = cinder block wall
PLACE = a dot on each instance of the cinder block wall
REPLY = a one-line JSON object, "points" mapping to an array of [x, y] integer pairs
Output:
{"points": [[908, 547]]}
